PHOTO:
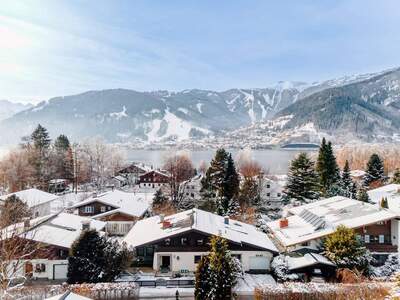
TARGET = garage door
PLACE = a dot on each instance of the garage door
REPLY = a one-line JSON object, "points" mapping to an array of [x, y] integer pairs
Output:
{"points": [[60, 271], [259, 263]]}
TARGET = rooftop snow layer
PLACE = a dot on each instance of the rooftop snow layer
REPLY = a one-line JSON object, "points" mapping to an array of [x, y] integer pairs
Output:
{"points": [[134, 204], [307, 260], [150, 229], [391, 192], [32, 197], [333, 211]]}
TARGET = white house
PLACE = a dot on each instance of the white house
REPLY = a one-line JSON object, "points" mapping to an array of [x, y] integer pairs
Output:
{"points": [[120, 210], [271, 192], [308, 224], [177, 242], [41, 203], [55, 234], [190, 189]]}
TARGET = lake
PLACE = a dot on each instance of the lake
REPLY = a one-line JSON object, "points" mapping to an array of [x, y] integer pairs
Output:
{"points": [[275, 161]]}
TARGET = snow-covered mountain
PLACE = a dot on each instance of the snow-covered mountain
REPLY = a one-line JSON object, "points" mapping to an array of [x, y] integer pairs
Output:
{"points": [[8, 108], [121, 115], [366, 109]]}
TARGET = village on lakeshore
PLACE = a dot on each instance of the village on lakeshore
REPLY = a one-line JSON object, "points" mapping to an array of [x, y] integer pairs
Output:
{"points": [[80, 214]]}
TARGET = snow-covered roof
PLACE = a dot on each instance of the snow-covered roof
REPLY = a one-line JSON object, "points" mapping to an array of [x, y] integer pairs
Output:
{"points": [[134, 204], [318, 219], [309, 259], [391, 192], [149, 230], [119, 178], [60, 230], [32, 197], [68, 296], [357, 173]]}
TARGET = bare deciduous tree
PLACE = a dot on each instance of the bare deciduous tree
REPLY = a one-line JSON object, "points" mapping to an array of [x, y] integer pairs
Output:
{"points": [[180, 168]]}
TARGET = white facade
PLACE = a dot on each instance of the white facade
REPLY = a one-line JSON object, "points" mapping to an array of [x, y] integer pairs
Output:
{"points": [[44, 269], [271, 193], [185, 261]]}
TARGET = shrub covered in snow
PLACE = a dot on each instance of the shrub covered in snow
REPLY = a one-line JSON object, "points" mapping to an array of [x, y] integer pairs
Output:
{"points": [[281, 270], [391, 266]]}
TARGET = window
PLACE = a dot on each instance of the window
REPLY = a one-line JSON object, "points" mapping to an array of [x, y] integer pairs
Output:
{"points": [[183, 241], [268, 194], [167, 242], [200, 242], [40, 268], [140, 251], [268, 186], [366, 239], [103, 209], [197, 259], [62, 253], [237, 256], [88, 209], [279, 194], [381, 239], [192, 195]]}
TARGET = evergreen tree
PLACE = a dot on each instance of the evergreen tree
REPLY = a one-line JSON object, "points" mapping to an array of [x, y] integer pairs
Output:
{"points": [[396, 176], [363, 196], [40, 138], [93, 259], [326, 167], [203, 284], [347, 184], [375, 171], [62, 144], [228, 202], [218, 273], [346, 250], [302, 183], [13, 210], [384, 203], [221, 184], [39, 157], [159, 198]]}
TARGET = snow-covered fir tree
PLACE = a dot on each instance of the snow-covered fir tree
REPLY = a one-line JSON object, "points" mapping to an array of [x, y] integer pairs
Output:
{"points": [[221, 184], [347, 185], [159, 198], [303, 182], [94, 258], [375, 172], [327, 167], [217, 274], [280, 269]]}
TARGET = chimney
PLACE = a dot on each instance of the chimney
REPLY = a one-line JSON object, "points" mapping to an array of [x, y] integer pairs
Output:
{"points": [[162, 216], [283, 223], [226, 220], [94, 195], [85, 225]]}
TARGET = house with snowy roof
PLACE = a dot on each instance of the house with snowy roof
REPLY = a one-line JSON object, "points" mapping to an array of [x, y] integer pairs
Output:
{"points": [[120, 210], [307, 225], [41, 203], [52, 236], [390, 192], [176, 243], [133, 171], [153, 180]]}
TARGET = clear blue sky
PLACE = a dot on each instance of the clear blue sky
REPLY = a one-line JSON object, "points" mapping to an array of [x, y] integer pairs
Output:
{"points": [[50, 48]]}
